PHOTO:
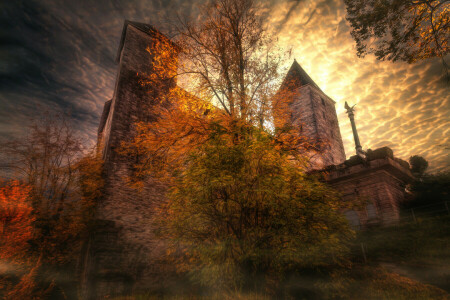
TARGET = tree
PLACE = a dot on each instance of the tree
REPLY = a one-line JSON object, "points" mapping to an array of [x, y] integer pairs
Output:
{"points": [[62, 185], [243, 213], [430, 191], [16, 230], [18, 278], [15, 220], [406, 30], [430, 194], [230, 59], [232, 69], [418, 165], [240, 205]]}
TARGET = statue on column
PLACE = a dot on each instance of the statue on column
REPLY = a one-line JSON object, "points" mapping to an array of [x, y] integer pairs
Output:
{"points": [[351, 115]]}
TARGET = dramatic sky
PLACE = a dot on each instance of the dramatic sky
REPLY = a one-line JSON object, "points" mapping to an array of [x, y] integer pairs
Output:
{"points": [[59, 55]]}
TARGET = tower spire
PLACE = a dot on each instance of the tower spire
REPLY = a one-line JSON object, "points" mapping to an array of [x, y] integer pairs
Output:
{"points": [[297, 77]]}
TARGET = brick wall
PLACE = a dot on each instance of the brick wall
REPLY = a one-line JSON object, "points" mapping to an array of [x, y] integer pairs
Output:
{"points": [[378, 184], [123, 252], [314, 114]]}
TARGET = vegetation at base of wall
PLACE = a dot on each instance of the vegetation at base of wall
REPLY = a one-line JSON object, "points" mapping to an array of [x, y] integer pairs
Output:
{"points": [[426, 240], [243, 214], [45, 214], [419, 250], [359, 282], [430, 191], [367, 282], [406, 261]]}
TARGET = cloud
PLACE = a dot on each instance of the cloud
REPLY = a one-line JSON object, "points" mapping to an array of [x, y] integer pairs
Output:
{"points": [[60, 54]]}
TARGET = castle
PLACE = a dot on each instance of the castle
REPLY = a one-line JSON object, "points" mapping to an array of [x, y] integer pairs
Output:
{"points": [[121, 256]]}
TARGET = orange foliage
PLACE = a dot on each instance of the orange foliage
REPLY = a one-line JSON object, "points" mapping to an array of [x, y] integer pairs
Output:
{"points": [[432, 20], [44, 222], [15, 220], [27, 287], [183, 121], [16, 230], [35, 243]]}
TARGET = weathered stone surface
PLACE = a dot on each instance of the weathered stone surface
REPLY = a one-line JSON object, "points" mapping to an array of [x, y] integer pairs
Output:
{"points": [[314, 114], [123, 253], [378, 181]]}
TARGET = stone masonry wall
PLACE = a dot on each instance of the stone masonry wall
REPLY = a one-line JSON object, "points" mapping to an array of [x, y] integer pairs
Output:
{"points": [[379, 184], [315, 115], [124, 250]]}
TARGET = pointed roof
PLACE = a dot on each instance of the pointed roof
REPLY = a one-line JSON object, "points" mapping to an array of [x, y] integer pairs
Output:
{"points": [[145, 28], [297, 77]]}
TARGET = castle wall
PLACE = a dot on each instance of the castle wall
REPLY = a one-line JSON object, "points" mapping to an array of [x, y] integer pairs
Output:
{"points": [[124, 251], [378, 184]]}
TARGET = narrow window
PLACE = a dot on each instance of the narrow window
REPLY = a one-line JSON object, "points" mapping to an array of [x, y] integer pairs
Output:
{"points": [[371, 212], [323, 101], [323, 113]]}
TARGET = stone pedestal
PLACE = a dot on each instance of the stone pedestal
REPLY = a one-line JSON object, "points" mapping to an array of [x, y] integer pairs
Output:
{"points": [[379, 181]]}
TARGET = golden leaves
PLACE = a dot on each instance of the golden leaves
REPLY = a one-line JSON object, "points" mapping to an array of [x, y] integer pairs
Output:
{"points": [[15, 220]]}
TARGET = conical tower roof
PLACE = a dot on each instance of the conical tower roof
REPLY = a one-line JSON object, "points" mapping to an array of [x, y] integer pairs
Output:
{"points": [[297, 77]]}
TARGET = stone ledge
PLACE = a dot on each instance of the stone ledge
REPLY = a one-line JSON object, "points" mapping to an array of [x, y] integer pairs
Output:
{"points": [[345, 171]]}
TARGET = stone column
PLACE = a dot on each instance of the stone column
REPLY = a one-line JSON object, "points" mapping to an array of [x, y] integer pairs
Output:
{"points": [[351, 116]]}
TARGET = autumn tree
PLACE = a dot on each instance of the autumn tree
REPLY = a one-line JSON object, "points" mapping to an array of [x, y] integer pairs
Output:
{"points": [[18, 277], [15, 231], [229, 56], [62, 182], [246, 213], [15, 219], [231, 69], [405, 30], [240, 208], [418, 165]]}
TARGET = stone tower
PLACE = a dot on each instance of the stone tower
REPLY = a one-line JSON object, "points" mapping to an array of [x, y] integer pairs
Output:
{"points": [[314, 114], [121, 254]]}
